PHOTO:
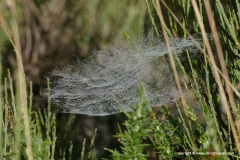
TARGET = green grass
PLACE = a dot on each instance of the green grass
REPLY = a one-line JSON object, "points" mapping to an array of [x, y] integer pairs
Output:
{"points": [[28, 134], [12, 129], [171, 140]]}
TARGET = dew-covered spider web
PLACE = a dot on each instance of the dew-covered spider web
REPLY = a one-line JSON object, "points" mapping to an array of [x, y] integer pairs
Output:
{"points": [[108, 81]]}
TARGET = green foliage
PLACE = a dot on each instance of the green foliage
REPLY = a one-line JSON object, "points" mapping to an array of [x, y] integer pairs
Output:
{"points": [[165, 139], [91, 155], [143, 131], [132, 139], [14, 146], [168, 136], [228, 22]]}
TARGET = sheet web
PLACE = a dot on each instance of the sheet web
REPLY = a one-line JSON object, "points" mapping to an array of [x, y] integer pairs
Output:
{"points": [[106, 81]]}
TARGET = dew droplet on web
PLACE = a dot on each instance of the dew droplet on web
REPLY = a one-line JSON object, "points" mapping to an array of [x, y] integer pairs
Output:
{"points": [[108, 80]]}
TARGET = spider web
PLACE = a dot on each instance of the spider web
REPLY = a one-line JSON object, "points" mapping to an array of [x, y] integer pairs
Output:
{"points": [[106, 81]]}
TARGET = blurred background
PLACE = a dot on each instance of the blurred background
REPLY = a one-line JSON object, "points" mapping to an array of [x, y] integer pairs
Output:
{"points": [[53, 33]]}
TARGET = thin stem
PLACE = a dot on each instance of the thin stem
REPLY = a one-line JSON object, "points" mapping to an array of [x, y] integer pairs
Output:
{"points": [[217, 76], [200, 48], [174, 68], [21, 78], [221, 58]]}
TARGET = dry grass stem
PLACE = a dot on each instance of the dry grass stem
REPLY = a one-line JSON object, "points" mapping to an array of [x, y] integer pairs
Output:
{"points": [[217, 76], [176, 77], [21, 78], [221, 59], [200, 48]]}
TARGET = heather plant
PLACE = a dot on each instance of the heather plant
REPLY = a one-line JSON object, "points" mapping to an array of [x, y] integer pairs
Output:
{"points": [[132, 139], [187, 137], [212, 77]]}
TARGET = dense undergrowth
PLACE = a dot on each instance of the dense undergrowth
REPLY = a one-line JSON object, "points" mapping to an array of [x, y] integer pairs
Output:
{"points": [[214, 78]]}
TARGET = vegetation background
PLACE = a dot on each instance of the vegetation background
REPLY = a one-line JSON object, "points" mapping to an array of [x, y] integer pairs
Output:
{"points": [[59, 31], [45, 32]]}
